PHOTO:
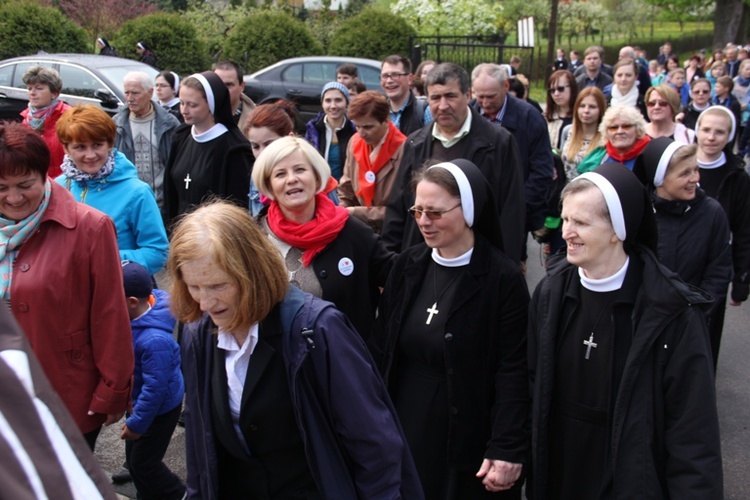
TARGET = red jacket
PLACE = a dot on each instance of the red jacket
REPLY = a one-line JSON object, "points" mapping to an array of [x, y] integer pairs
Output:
{"points": [[56, 150], [67, 294]]}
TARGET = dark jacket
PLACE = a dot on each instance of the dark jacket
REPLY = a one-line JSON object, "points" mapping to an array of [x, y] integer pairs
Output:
{"points": [[357, 294], [484, 351], [315, 134], [529, 129], [352, 439], [230, 172], [164, 125], [690, 118], [495, 152], [664, 427], [109, 51], [694, 242], [412, 118], [157, 379], [734, 197], [148, 57]]}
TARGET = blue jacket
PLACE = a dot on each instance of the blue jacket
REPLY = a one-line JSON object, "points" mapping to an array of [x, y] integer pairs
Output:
{"points": [[131, 204], [157, 380], [353, 442]]}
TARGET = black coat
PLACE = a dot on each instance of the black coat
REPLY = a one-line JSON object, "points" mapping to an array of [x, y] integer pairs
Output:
{"points": [[230, 172], [356, 295], [494, 151], [529, 129], [734, 196], [484, 351], [664, 424], [412, 118]]}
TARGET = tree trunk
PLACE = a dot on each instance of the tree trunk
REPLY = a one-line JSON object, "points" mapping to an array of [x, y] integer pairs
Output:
{"points": [[727, 19], [552, 37]]}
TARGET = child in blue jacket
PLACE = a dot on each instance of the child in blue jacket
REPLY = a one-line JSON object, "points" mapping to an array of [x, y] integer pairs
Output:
{"points": [[158, 387]]}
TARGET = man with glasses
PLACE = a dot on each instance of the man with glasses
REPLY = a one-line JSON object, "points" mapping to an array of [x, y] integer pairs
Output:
{"points": [[458, 132], [407, 112], [489, 84]]}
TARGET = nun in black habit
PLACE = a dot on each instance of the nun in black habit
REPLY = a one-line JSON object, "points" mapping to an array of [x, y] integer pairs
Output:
{"points": [[619, 361], [209, 155], [451, 344], [694, 238]]}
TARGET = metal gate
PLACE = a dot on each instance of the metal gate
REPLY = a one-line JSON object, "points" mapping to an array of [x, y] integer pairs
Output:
{"points": [[468, 51]]}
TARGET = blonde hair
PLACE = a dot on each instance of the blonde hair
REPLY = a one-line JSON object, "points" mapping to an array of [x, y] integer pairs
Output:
{"points": [[229, 236], [280, 149], [669, 94]]}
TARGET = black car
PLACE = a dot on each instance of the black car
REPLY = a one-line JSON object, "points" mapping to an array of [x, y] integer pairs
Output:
{"points": [[87, 79], [301, 79]]}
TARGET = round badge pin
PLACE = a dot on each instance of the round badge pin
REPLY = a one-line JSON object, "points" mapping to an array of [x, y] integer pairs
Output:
{"points": [[370, 176], [346, 266]]}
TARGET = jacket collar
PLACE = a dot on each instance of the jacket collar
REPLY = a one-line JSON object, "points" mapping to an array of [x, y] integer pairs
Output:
{"points": [[62, 207]]}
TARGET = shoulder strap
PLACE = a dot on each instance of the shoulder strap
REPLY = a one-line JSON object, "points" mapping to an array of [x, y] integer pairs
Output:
{"points": [[420, 106]]}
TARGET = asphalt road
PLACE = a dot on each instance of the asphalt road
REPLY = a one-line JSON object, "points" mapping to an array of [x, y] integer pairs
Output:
{"points": [[732, 386]]}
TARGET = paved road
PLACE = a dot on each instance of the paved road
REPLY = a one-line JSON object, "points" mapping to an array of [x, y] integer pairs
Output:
{"points": [[732, 384]]}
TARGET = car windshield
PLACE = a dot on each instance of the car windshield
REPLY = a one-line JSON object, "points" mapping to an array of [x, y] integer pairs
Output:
{"points": [[116, 74]]}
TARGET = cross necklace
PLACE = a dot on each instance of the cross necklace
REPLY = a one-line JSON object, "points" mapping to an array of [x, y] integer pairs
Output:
{"points": [[433, 310], [590, 342]]}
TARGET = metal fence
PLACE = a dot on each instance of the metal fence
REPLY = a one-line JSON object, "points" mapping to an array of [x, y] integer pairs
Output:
{"points": [[468, 51]]}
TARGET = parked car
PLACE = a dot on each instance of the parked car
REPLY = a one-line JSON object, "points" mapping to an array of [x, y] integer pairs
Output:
{"points": [[87, 79], [301, 80]]}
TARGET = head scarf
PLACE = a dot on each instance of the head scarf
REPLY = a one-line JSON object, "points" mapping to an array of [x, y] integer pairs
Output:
{"points": [[651, 166], [629, 205], [477, 201], [142, 45], [217, 96]]}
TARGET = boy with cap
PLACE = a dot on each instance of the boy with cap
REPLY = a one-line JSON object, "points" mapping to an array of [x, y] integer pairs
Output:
{"points": [[158, 387]]}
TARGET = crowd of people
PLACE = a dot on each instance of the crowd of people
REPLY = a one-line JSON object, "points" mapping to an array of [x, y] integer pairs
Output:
{"points": [[347, 314]]}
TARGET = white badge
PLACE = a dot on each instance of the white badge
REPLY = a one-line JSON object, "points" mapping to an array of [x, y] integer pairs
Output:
{"points": [[370, 176], [346, 266]]}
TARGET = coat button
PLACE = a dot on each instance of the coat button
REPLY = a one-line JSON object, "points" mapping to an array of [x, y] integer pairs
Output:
{"points": [[77, 355], [454, 410], [448, 337], [24, 267], [323, 274], [449, 372], [253, 427], [23, 307]]}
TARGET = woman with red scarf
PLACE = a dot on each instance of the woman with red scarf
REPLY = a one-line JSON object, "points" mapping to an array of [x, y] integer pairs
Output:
{"points": [[623, 130], [326, 252], [372, 161]]}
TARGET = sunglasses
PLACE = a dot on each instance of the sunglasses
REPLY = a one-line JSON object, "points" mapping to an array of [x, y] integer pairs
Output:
{"points": [[615, 128], [700, 92], [431, 214], [559, 89], [653, 104]]}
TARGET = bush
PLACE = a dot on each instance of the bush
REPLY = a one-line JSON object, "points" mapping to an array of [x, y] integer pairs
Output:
{"points": [[373, 34], [27, 28], [268, 37], [173, 39]]}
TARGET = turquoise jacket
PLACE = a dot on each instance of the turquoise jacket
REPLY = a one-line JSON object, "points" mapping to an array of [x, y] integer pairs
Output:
{"points": [[131, 204]]}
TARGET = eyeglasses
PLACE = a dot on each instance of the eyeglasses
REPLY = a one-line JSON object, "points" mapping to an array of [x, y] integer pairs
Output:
{"points": [[559, 89], [392, 76], [431, 214], [653, 104], [699, 92], [615, 128]]}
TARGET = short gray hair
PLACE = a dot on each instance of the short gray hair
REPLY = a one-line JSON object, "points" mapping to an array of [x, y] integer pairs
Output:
{"points": [[495, 71], [628, 113], [146, 82], [46, 76]]}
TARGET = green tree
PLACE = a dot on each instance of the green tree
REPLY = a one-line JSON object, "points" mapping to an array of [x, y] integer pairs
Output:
{"points": [[450, 17], [27, 28], [213, 23], [173, 39], [374, 34], [267, 37]]}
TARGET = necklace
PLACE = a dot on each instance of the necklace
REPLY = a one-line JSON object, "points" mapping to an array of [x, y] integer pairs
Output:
{"points": [[433, 310], [590, 342]]}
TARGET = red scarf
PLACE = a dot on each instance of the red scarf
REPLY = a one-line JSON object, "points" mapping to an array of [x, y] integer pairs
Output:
{"points": [[631, 153], [312, 236], [361, 150]]}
